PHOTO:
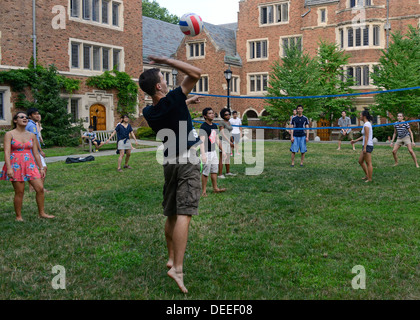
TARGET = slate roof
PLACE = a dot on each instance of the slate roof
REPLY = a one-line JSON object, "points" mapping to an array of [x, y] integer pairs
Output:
{"points": [[160, 38], [319, 2]]}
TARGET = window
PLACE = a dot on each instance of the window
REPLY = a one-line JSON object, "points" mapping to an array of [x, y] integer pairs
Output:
{"points": [[105, 59], [258, 83], [95, 10], [202, 85], [376, 33], [359, 74], [196, 50], [234, 86], [115, 14], [74, 110], [75, 55], [289, 42], [74, 8], [358, 37], [94, 57], [323, 15], [360, 3], [86, 9], [275, 13], [105, 5], [341, 38], [1, 106], [86, 56], [353, 118], [99, 12], [116, 59], [366, 36], [350, 37], [258, 49]]}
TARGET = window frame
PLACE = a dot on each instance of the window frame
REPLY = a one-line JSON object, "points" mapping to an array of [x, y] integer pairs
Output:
{"points": [[294, 37], [254, 43], [193, 46], [258, 82], [277, 13]]}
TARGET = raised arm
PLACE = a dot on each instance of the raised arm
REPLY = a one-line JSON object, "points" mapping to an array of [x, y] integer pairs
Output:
{"points": [[193, 73]]}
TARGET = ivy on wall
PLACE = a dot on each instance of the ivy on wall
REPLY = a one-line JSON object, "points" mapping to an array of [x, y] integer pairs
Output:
{"points": [[121, 81]]}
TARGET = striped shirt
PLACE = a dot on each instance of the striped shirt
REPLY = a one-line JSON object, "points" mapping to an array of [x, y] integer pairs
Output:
{"points": [[402, 130]]}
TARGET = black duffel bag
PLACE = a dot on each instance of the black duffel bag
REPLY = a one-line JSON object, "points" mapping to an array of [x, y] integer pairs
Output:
{"points": [[77, 160]]}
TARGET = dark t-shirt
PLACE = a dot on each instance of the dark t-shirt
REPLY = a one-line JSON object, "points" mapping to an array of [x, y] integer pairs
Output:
{"points": [[123, 133], [171, 112], [210, 132], [299, 122]]}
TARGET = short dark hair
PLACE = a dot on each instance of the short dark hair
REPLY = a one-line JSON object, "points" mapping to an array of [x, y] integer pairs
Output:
{"points": [[299, 106], [223, 111], [90, 127], [234, 112], [31, 111], [148, 81], [206, 110]]}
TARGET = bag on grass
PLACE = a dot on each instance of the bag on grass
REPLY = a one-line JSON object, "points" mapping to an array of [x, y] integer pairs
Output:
{"points": [[77, 160]]}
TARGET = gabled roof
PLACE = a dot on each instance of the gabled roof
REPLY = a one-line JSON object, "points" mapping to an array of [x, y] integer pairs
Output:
{"points": [[224, 38], [160, 38], [319, 2]]}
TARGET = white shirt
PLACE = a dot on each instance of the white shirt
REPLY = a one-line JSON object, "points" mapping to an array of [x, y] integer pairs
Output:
{"points": [[236, 122], [370, 138]]}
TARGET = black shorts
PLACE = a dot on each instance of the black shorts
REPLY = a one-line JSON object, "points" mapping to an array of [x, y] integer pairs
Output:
{"points": [[182, 189]]}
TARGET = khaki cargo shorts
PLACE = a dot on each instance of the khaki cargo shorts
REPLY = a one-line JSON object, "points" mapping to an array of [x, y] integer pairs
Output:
{"points": [[182, 188]]}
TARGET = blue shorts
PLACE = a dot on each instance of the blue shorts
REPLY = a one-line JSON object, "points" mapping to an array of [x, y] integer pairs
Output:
{"points": [[299, 144]]}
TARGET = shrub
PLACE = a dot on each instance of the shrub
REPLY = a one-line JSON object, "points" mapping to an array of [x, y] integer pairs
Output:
{"points": [[145, 132], [245, 120], [382, 133]]}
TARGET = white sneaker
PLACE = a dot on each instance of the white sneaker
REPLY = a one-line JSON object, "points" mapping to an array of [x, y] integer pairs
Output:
{"points": [[221, 177], [231, 174]]}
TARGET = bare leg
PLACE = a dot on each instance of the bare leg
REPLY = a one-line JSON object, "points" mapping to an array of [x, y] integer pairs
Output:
{"points": [[394, 153], [213, 177], [413, 155], [227, 165], [169, 230], [368, 160], [127, 157], [220, 164], [204, 180], [363, 165], [339, 144], [39, 189], [120, 158], [19, 191], [302, 157], [179, 244], [293, 158]]}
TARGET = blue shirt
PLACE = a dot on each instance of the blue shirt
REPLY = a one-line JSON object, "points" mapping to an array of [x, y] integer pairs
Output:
{"points": [[123, 133], [31, 127], [299, 122]]}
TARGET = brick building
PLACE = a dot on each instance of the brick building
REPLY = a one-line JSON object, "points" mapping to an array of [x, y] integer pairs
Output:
{"points": [[264, 27], [82, 38]]}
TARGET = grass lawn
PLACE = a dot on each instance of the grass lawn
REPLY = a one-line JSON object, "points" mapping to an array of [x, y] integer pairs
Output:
{"points": [[289, 233]]}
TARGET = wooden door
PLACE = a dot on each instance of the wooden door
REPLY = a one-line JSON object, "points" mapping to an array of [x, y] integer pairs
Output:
{"points": [[324, 134], [97, 117]]}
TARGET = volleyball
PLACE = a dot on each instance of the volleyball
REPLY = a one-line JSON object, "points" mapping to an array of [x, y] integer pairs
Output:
{"points": [[191, 24]]}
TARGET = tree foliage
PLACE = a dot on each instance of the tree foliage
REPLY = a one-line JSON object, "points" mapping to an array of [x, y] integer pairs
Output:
{"points": [[298, 74], [399, 67], [152, 9], [46, 85]]}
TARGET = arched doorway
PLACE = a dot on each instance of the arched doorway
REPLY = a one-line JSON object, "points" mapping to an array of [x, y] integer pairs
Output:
{"points": [[97, 117]]}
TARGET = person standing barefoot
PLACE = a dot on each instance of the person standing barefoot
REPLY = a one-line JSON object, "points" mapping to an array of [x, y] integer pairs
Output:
{"points": [[404, 137], [20, 165], [181, 168]]}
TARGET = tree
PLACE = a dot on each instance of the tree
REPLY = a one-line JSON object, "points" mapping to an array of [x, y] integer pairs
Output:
{"points": [[152, 9], [332, 80], [399, 67], [297, 75]]}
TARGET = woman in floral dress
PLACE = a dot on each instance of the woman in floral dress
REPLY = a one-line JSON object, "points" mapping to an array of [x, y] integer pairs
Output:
{"points": [[20, 165]]}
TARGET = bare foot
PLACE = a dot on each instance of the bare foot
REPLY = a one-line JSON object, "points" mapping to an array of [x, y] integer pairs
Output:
{"points": [[395, 164], [338, 149], [417, 166], [364, 178], [204, 194], [368, 181], [169, 264], [19, 219], [219, 190], [46, 216], [179, 279]]}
